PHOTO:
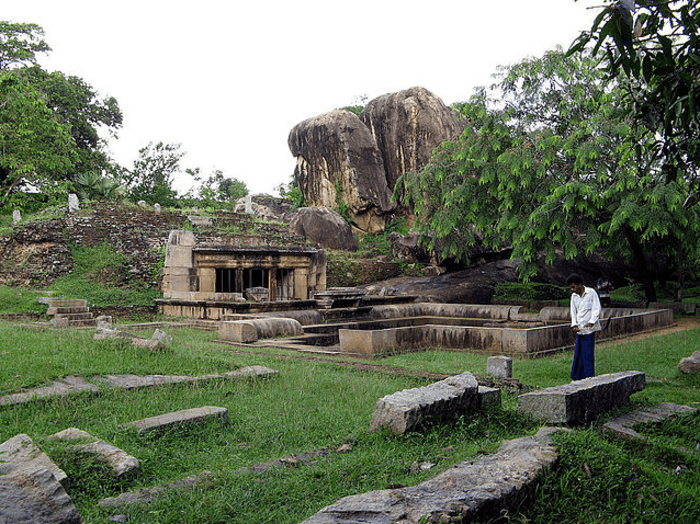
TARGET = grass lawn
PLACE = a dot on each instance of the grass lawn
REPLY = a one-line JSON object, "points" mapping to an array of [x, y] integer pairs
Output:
{"points": [[313, 405]]}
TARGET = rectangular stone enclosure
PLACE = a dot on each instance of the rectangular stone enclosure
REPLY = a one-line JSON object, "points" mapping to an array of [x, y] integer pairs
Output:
{"points": [[496, 330]]}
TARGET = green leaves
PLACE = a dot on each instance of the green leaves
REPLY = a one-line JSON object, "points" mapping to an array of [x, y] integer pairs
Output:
{"points": [[560, 168]]}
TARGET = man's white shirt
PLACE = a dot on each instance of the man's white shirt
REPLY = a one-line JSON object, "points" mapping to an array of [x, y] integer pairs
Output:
{"points": [[585, 310]]}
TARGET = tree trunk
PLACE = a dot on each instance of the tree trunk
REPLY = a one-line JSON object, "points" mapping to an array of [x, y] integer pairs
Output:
{"points": [[642, 267]]}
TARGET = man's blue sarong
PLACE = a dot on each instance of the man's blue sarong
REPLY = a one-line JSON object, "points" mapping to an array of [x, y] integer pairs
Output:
{"points": [[584, 359]]}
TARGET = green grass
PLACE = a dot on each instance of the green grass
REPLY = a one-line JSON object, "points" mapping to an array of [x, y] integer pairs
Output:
{"points": [[321, 405]]}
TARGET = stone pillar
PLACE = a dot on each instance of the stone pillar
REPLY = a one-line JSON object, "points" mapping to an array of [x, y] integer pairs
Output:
{"points": [[207, 280], [501, 367], [249, 204], [301, 283], [73, 204], [179, 274], [16, 216]]}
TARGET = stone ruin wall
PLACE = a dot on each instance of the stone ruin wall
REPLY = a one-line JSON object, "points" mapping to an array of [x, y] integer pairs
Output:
{"points": [[36, 254]]}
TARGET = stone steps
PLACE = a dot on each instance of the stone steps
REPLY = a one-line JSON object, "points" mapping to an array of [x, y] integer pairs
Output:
{"points": [[68, 312]]}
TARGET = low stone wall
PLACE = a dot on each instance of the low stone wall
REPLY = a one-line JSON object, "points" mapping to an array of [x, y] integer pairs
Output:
{"points": [[216, 310], [494, 340], [429, 309]]}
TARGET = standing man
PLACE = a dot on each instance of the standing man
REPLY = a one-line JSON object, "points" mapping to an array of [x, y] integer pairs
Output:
{"points": [[585, 321]]}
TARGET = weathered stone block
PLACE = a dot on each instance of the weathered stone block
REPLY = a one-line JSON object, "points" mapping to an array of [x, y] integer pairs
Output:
{"points": [[499, 366], [690, 364], [581, 400], [412, 408], [238, 331], [489, 397], [35, 496], [186, 416], [115, 458], [21, 454]]}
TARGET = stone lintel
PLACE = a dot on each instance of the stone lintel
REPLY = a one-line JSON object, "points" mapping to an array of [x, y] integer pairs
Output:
{"points": [[581, 400], [185, 416]]}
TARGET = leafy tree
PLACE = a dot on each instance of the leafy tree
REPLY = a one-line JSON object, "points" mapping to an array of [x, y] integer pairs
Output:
{"points": [[218, 189], [653, 49], [547, 163], [34, 145], [50, 123], [96, 186], [20, 44], [78, 105], [292, 192], [151, 179]]}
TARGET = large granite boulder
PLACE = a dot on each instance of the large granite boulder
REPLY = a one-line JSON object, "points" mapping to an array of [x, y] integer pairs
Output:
{"points": [[324, 226], [338, 161], [407, 126]]}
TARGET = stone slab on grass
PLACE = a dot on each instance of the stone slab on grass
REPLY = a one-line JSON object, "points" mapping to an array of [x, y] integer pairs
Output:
{"points": [[76, 384], [622, 425], [118, 460], [410, 409], [61, 387], [30, 486], [146, 495], [466, 491], [141, 381], [581, 400], [176, 418]]}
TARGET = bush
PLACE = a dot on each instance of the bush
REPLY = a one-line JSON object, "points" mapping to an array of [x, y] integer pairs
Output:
{"points": [[529, 291]]}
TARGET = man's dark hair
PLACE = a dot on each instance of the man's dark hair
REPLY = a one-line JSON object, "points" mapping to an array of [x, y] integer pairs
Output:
{"points": [[574, 279]]}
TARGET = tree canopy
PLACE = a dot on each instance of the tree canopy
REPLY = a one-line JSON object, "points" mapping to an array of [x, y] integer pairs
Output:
{"points": [[50, 123], [548, 164], [653, 49]]}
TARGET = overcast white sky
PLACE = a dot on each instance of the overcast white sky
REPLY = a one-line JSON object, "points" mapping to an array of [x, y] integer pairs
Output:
{"points": [[229, 79]]}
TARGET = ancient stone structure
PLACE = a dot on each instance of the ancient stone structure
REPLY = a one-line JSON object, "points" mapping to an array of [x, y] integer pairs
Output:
{"points": [[338, 162], [581, 400], [222, 273], [496, 329]]}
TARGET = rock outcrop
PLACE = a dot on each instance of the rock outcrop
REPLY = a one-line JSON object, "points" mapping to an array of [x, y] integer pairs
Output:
{"points": [[338, 162], [343, 158], [324, 226], [407, 126]]}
